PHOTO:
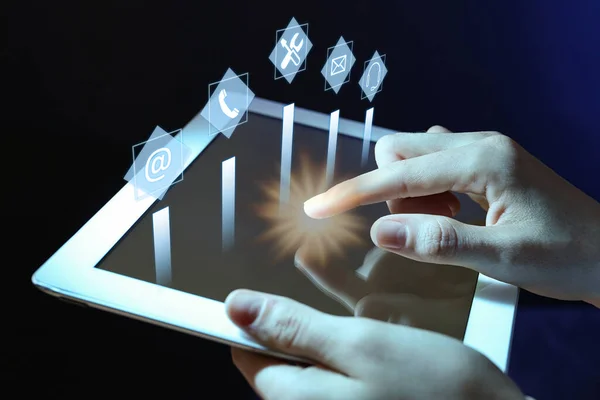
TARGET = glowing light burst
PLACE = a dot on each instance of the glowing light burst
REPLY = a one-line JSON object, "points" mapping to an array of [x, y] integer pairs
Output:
{"points": [[290, 228]]}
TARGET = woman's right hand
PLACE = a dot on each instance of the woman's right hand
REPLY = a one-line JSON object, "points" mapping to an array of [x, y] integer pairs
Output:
{"points": [[541, 233]]}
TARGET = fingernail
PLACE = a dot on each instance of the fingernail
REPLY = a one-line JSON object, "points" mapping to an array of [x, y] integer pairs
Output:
{"points": [[244, 307], [391, 234], [314, 206]]}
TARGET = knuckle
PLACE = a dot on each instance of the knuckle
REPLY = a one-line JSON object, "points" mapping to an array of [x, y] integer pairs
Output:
{"points": [[402, 182], [285, 326], [385, 142], [437, 128], [487, 134], [502, 143], [503, 149], [383, 146], [499, 155], [438, 240], [285, 329]]}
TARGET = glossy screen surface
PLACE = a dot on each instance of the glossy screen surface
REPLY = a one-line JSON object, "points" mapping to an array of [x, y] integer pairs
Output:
{"points": [[272, 246]]}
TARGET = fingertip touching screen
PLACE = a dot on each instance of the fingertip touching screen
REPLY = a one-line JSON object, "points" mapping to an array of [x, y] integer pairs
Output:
{"points": [[237, 221]]}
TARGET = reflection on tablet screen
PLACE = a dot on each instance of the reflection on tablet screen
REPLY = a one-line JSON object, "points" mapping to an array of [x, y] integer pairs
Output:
{"points": [[225, 227]]}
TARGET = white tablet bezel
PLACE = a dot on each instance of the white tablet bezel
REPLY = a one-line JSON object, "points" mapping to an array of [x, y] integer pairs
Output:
{"points": [[70, 273]]}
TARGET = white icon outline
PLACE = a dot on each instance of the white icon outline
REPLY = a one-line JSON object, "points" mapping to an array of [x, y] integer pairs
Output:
{"points": [[151, 160], [225, 108], [278, 35], [292, 51], [368, 80], [362, 83], [330, 50], [140, 194], [214, 131], [338, 65]]}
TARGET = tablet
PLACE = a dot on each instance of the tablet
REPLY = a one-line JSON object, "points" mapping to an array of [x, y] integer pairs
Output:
{"points": [[235, 220]]}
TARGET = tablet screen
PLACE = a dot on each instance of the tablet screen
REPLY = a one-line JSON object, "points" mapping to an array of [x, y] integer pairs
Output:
{"points": [[226, 226]]}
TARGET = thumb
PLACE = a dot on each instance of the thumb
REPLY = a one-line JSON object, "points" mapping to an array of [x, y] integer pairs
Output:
{"points": [[440, 240], [290, 327]]}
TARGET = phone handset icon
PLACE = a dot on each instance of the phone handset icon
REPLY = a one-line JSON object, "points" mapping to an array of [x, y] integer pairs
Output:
{"points": [[224, 107]]}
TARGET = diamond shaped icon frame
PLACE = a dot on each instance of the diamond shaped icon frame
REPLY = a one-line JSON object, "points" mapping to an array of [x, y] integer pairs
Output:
{"points": [[286, 57], [372, 78], [228, 103], [336, 55], [159, 145]]}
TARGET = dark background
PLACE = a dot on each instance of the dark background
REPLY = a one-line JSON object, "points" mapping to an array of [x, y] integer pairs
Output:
{"points": [[84, 81]]}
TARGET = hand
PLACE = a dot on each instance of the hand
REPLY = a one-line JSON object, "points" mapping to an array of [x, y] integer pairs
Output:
{"points": [[356, 358], [395, 289], [541, 232]]}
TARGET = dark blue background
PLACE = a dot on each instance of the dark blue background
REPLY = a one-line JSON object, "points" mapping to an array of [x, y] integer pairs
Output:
{"points": [[83, 83]]}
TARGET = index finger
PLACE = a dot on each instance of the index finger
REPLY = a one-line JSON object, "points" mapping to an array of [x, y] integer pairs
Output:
{"points": [[449, 170]]}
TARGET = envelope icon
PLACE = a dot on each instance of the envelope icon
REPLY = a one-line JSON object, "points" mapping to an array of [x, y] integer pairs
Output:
{"points": [[338, 65]]}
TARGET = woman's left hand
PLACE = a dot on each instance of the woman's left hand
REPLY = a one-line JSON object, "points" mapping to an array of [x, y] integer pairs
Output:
{"points": [[356, 358]]}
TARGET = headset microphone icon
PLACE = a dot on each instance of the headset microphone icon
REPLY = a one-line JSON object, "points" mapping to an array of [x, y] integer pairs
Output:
{"points": [[368, 79]]}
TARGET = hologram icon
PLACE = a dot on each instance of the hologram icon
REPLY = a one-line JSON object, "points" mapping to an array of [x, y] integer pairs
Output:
{"points": [[153, 172], [158, 163], [370, 86], [228, 103], [338, 65], [292, 46], [340, 60], [371, 81], [292, 51], [224, 107]]}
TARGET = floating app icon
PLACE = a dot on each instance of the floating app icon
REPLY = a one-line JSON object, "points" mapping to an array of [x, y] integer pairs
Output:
{"points": [[371, 81], [338, 65], [229, 100], [291, 49], [158, 163]]}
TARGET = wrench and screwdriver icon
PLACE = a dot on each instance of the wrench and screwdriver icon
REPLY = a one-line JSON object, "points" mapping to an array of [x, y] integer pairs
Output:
{"points": [[292, 51]]}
